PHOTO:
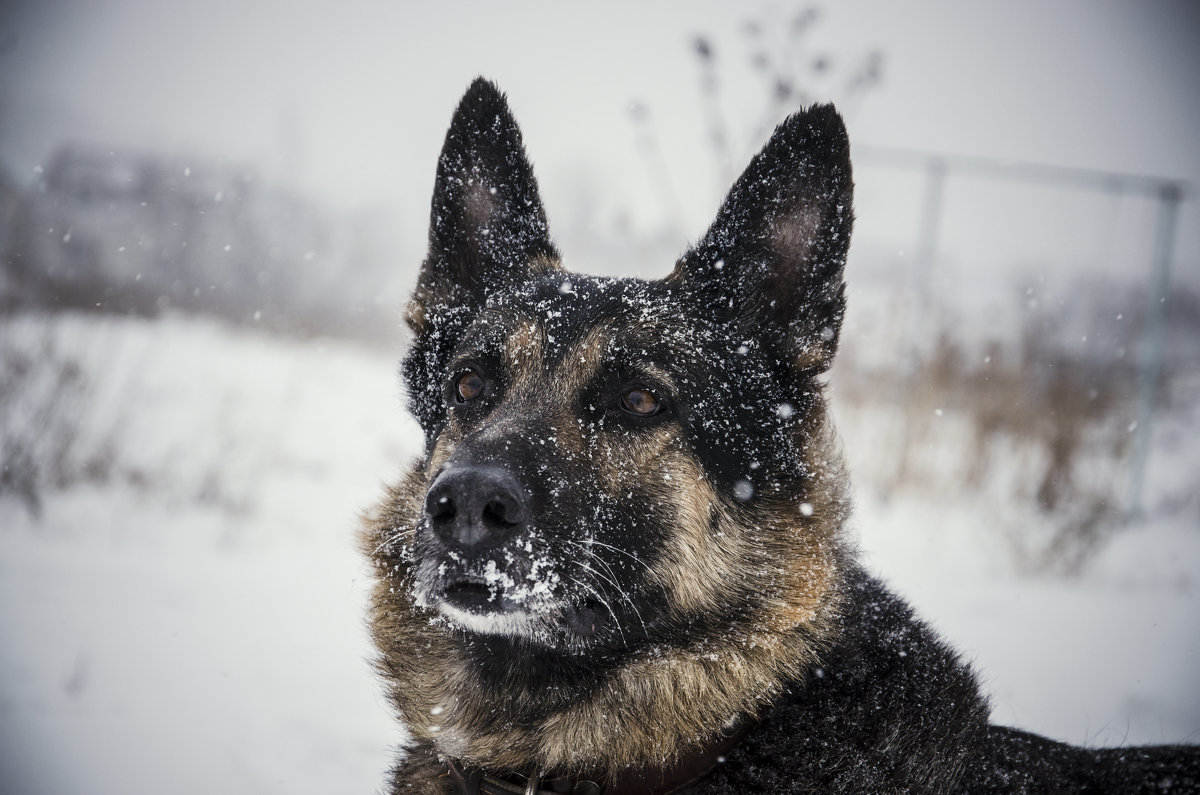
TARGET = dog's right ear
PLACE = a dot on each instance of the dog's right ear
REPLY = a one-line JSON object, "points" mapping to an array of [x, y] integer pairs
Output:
{"points": [[487, 231], [487, 227]]}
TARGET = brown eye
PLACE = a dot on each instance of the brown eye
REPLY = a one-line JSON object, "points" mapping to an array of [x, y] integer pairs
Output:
{"points": [[468, 386], [640, 402]]}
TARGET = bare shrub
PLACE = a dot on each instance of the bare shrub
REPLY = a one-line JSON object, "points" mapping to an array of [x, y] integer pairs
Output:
{"points": [[100, 401], [40, 387]]}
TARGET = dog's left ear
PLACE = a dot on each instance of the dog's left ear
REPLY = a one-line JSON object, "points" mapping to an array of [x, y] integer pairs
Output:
{"points": [[487, 227], [773, 259]]}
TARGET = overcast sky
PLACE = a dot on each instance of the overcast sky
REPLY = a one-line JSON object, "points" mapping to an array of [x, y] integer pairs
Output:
{"points": [[350, 100]]}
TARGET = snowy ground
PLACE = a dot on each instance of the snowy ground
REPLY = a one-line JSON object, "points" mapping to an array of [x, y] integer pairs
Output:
{"points": [[185, 614]]}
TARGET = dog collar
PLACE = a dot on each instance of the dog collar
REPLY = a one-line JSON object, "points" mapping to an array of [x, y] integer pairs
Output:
{"points": [[648, 780]]}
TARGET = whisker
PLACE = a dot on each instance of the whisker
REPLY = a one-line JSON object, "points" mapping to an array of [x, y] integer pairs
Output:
{"points": [[622, 593], [397, 534], [620, 551]]}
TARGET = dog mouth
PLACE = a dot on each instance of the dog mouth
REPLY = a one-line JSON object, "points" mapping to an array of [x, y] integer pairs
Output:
{"points": [[479, 596], [494, 605], [470, 594]]}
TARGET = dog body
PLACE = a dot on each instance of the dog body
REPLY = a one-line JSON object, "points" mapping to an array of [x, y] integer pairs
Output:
{"points": [[621, 563]]}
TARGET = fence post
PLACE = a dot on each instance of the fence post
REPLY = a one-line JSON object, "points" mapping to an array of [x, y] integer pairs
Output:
{"points": [[1169, 197], [918, 310], [931, 218]]}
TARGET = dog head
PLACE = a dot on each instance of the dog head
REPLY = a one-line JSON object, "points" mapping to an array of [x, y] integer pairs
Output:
{"points": [[610, 462]]}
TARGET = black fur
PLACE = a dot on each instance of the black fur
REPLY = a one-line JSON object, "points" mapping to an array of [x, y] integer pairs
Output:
{"points": [[894, 709]]}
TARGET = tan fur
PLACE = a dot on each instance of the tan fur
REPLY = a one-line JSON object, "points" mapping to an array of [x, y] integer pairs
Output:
{"points": [[584, 359], [523, 349], [416, 314]]}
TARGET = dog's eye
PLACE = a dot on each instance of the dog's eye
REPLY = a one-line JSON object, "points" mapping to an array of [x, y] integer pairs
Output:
{"points": [[641, 402], [468, 386]]}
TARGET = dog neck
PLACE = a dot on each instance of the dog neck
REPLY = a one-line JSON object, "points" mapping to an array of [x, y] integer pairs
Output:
{"points": [[650, 711], [644, 780]]}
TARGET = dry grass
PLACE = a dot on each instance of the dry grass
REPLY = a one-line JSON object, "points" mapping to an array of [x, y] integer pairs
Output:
{"points": [[1036, 426]]}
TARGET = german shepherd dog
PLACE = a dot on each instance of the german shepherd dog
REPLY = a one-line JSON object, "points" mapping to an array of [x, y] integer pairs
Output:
{"points": [[621, 564]]}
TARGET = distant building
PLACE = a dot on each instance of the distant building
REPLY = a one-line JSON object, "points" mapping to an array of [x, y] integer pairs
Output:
{"points": [[134, 232]]}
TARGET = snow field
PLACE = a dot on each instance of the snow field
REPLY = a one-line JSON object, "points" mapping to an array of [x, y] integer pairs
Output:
{"points": [[186, 614]]}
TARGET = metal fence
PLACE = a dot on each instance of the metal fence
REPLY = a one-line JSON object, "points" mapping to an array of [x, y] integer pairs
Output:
{"points": [[937, 170]]}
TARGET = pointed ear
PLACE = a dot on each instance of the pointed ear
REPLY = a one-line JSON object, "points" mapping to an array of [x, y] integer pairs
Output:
{"points": [[487, 227], [772, 261]]}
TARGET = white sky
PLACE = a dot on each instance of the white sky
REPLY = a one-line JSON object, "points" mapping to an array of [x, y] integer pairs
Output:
{"points": [[350, 100]]}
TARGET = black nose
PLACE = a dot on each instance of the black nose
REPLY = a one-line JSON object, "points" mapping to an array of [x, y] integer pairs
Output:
{"points": [[475, 507]]}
